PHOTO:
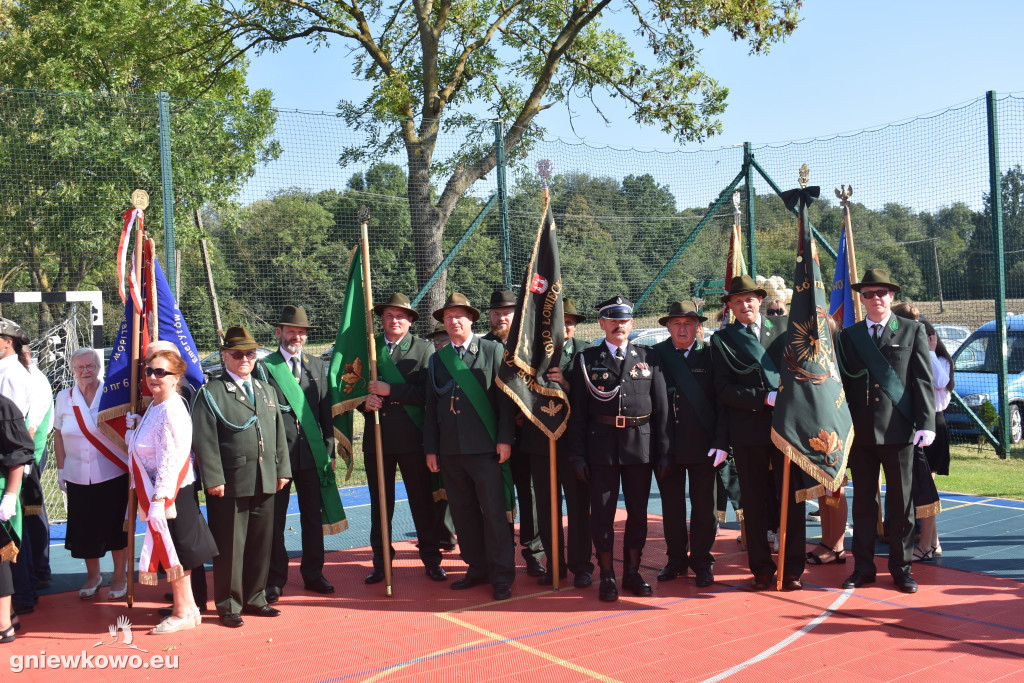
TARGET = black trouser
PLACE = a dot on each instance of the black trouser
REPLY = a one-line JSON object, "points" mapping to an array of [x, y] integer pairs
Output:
{"points": [[530, 542], [604, 499], [38, 527], [577, 508], [702, 514], [755, 464], [476, 498], [243, 529], [416, 477], [311, 566], [897, 462]]}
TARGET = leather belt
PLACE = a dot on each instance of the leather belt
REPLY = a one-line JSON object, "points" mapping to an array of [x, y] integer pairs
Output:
{"points": [[621, 421]]}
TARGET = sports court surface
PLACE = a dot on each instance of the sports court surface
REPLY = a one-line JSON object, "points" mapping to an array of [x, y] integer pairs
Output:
{"points": [[965, 624]]}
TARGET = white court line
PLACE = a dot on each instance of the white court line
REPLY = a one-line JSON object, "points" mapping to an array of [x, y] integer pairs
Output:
{"points": [[775, 648]]}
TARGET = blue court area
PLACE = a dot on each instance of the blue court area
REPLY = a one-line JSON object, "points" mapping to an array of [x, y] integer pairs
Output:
{"points": [[984, 535]]}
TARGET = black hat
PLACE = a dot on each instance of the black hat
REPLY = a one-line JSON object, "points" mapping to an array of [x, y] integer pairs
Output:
{"points": [[682, 309], [569, 310], [457, 300], [398, 300], [502, 299], [11, 329], [439, 329], [618, 307], [742, 284], [238, 339], [875, 277], [294, 316]]}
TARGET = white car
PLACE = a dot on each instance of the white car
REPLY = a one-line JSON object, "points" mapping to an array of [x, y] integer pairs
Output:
{"points": [[953, 336]]}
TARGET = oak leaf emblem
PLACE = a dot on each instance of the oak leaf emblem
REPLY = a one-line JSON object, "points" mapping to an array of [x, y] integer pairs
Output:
{"points": [[552, 408], [826, 443], [353, 375]]}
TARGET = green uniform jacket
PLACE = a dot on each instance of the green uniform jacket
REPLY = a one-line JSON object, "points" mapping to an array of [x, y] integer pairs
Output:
{"points": [[247, 462], [451, 424], [531, 439], [398, 433], [742, 395], [875, 419]]}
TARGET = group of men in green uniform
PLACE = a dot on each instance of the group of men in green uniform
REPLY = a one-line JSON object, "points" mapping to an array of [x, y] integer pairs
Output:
{"points": [[673, 412]]}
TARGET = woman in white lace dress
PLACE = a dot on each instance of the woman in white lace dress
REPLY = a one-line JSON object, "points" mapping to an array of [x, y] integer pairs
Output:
{"points": [[161, 443]]}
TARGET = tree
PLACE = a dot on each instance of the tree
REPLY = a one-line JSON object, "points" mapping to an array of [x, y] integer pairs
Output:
{"points": [[429, 60]]}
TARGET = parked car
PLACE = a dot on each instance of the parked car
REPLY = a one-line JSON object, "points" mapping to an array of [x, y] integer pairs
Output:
{"points": [[952, 335], [976, 379], [644, 337], [212, 365]]}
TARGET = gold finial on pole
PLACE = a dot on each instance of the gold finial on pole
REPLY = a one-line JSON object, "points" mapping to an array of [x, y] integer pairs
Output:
{"points": [[140, 199], [805, 176], [844, 195]]}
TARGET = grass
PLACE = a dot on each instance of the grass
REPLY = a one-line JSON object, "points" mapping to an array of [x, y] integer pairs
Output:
{"points": [[981, 472]]}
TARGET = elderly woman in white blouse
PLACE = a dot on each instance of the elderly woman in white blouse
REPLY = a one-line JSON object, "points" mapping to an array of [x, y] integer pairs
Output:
{"points": [[161, 444], [94, 477]]}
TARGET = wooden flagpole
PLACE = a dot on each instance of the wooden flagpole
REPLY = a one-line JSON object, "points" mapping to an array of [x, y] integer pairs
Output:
{"points": [[556, 522], [140, 200], [364, 217]]}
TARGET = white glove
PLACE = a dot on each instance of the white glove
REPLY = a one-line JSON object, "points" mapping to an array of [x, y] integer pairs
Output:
{"points": [[157, 517], [28, 470], [719, 455], [769, 400], [61, 482], [132, 420], [7, 506], [923, 437]]}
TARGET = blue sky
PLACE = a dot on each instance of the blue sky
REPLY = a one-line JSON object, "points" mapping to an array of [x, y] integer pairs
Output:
{"points": [[861, 64]]}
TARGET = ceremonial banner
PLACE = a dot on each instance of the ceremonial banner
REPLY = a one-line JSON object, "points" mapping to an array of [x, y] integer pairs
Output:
{"points": [[811, 422], [348, 376], [536, 338], [734, 263], [841, 307]]}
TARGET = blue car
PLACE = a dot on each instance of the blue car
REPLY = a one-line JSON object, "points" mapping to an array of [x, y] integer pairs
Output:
{"points": [[976, 380]]}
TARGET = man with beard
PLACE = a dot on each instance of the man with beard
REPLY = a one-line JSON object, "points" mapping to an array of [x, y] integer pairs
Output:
{"points": [[534, 444], [618, 429], [309, 442], [747, 355], [500, 314], [398, 397]]}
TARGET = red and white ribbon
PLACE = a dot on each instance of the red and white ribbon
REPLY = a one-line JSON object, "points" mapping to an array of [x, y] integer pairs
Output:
{"points": [[122, 255], [93, 435], [157, 549]]}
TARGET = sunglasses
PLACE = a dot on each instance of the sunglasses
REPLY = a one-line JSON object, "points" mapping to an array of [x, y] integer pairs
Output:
{"points": [[159, 373], [774, 311], [242, 355], [874, 293]]}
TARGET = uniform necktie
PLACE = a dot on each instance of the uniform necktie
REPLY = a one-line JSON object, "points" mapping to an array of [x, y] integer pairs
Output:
{"points": [[462, 351], [877, 333], [619, 357], [391, 348], [295, 366], [752, 329], [248, 390]]}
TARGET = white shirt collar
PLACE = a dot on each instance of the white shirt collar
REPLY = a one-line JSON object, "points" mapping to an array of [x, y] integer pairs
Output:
{"points": [[237, 379], [612, 347], [871, 323], [387, 340], [288, 356]]}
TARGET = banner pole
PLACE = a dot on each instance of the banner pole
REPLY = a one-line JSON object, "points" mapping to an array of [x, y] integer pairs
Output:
{"points": [[133, 503], [381, 496], [556, 522], [783, 519]]}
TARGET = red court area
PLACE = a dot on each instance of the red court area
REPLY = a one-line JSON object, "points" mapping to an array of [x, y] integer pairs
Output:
{"points": [[960, 626]]}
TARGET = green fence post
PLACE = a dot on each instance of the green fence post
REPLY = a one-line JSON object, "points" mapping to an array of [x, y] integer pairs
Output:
{"points": [[506, 239], [748, 157], [167, 185], [996, 201]]}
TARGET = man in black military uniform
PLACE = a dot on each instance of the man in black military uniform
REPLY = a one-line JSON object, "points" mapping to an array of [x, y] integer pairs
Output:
{"points": [[699, 444], [500, 314], [467, 435], [292, 330], [398, 397], [238, 436], [534, 444], [747, 355], [885, 357], [618, 429]]}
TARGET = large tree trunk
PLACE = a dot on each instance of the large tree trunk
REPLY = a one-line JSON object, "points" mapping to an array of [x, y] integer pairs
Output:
{"points": [[427, 229]]}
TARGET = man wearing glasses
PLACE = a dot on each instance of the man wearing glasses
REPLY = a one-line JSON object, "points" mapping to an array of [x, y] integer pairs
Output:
{"points": [[238, 436], [887, 375]]}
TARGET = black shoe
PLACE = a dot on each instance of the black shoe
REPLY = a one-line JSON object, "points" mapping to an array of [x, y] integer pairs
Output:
{"points": [[533, 567], [376, 576], [231, 620], [670, 572], [436, 573], [23, 609], [634, 582], [582, 579], [262, 610], [468, 581], [273, 594], [763, 582], [42, 584], [857, 579], [319, 585], [905, 583], [608, 592], [447, 547], [502, 591], [705, 577], [791, 582]]}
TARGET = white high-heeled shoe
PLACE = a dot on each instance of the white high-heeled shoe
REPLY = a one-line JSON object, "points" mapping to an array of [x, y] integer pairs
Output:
{"points": [[172, 623], [87, 592], [118, 593]]}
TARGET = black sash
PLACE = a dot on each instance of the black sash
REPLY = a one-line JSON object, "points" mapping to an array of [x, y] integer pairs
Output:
{"points": [[880, 369], [748, 343], [687, 383]]}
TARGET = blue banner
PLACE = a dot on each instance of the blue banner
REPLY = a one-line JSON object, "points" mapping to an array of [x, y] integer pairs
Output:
{"points": [[841, 303]]}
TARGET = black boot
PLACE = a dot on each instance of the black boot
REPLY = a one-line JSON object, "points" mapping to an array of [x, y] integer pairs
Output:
{"points": [[608, 591], [631, 578]]}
